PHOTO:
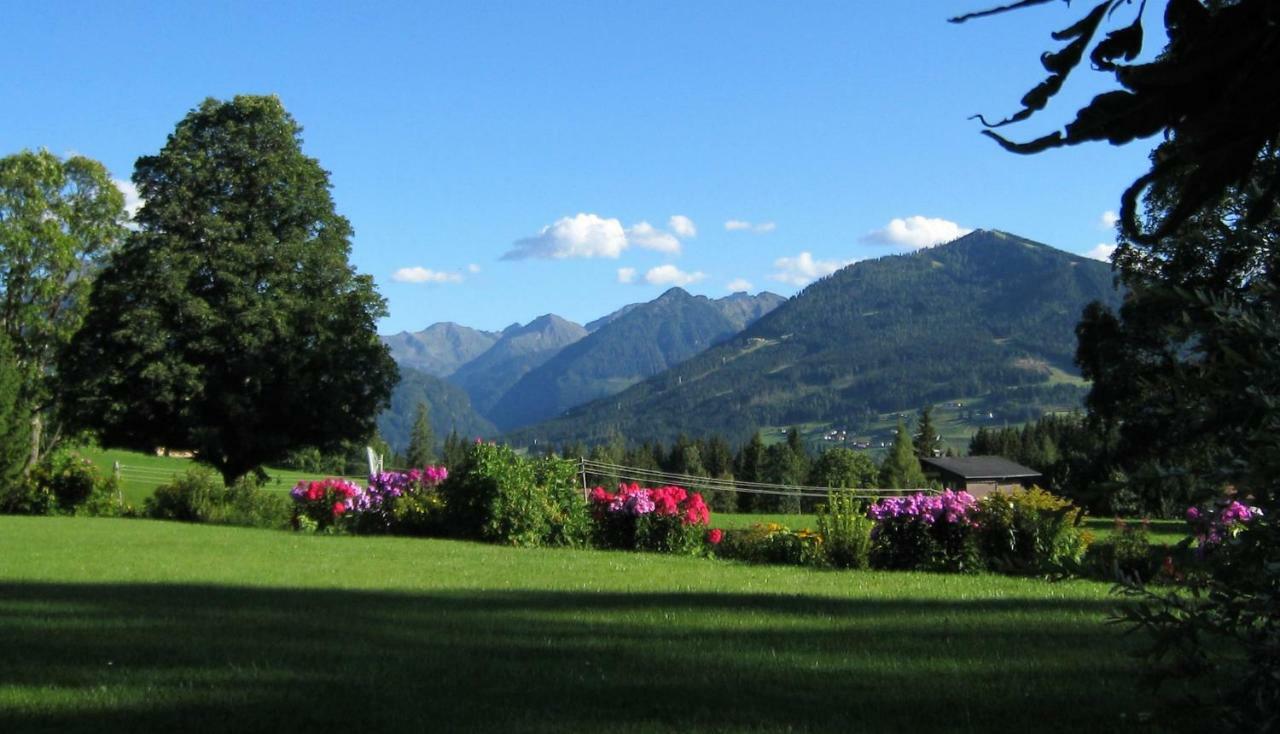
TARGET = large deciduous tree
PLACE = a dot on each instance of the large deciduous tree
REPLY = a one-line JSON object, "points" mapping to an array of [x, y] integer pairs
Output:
{"points": [[1158, 366], [1188, 367], [58, 220], [231, 323], [1212, 91]]}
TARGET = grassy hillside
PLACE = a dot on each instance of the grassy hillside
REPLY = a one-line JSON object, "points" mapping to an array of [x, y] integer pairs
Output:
{"points": [[115, 625]]}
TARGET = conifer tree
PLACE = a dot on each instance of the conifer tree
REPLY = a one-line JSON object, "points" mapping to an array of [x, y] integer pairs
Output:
{"points": [[901, 468], [422, 442], [927, 441]]}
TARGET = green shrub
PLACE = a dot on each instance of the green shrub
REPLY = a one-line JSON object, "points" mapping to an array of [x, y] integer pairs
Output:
{"points": [[69, 477], [773, 543], [200, 496], [417, 513], [501, 497], [189, 497], [66, 483], [1127, 555], [1029, 531], [846, 531], [570, 523], [246, 503], [25, 496]]}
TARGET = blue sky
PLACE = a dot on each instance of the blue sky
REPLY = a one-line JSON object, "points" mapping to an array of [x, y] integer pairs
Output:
{"points": [[503, 160]]}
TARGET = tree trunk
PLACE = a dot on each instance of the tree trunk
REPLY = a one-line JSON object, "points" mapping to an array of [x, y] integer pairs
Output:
{"points": [[34, 458]]}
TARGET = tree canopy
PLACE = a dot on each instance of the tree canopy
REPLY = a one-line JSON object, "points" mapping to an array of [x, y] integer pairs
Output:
{"points": [[58, 220], [231, 323], [1212, 91]]}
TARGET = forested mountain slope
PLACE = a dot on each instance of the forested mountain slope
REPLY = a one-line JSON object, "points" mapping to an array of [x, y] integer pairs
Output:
{"points": [[988, 313], [487, 377], [635, 343]]}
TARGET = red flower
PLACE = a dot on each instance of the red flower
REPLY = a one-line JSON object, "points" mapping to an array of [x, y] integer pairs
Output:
{"points": [[338, 509], [714, 536]]}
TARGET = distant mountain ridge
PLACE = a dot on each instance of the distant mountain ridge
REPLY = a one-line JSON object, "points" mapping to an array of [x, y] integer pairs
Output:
{"points": [[632, 344], [492, 366], [988, 313], [520, 349], [441, 348]]}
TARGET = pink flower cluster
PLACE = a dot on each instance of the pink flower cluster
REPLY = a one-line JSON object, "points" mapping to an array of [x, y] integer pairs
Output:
{"points": [[1212, 526], [634, 500], [428, 476], [335, 495], [949, 507]]}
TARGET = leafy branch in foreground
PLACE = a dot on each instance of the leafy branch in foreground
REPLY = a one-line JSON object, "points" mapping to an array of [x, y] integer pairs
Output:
{"points": [[1212, 91]]}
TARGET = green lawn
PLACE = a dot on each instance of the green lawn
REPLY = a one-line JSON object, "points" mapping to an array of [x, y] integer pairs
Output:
{"points": [[141, 473], [130, 625], [1166, 532], [727, 520]]}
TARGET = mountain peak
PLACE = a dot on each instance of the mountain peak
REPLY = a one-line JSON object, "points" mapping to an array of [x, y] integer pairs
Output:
{"points": [[673, 294]]}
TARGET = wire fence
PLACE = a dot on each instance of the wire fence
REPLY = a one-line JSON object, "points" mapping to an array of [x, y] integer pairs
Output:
{"points": [[149, 477], [596, 473], [593, 473]]}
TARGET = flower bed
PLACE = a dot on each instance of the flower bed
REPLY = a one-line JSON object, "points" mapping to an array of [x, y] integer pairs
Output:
{"points": [[1214, 525], [925, 532], [665, 519], [393, 502]]}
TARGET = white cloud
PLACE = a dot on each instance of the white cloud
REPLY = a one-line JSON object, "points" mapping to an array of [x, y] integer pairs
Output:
{"points": [[1101, 251], [738, 284], [626, 275], [132, 200], [591, 235], [1108, 220], [584, 235], [424, 275], [739, 225], [803, 269], [651, 238], [473, 268], [916, 232], [671, 275], [682, 226]]}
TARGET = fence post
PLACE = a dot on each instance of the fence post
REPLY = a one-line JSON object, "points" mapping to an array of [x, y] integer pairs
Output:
{"points": [[115, 474], [582, 469]]}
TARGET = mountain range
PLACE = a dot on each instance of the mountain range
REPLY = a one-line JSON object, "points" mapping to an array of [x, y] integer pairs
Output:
{"points": [[989, 315], [530, 372]]}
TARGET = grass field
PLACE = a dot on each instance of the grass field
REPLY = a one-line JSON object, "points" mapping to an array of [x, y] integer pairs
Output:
{"points": [[129, 625], [141, 473], [1166, 532]]}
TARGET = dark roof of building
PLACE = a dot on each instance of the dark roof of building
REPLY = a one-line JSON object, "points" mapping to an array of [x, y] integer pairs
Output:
{"points": [[980, 467]]}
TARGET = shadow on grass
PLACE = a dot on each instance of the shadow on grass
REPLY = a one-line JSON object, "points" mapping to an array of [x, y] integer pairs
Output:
{"points": [[81, 657]]}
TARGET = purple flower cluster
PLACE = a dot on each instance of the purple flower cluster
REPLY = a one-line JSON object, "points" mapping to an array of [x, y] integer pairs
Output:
{"points": [[387, 485], [949, 507], [1215, 525]]}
